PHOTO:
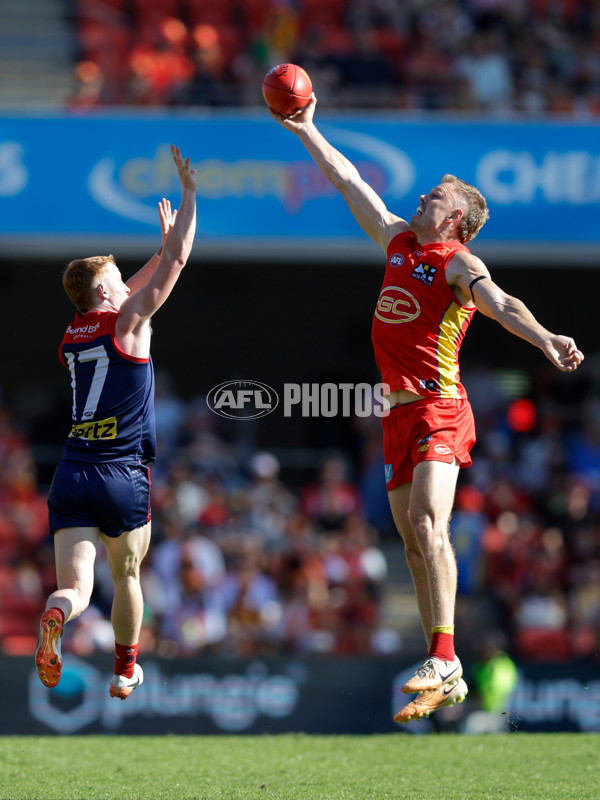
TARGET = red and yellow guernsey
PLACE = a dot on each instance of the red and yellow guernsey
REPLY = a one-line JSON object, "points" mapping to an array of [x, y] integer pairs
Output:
{"points": [[419, 326]]}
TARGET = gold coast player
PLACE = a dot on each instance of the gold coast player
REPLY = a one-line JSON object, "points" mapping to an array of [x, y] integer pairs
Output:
{"points": [[101, 488], [431, 289]]}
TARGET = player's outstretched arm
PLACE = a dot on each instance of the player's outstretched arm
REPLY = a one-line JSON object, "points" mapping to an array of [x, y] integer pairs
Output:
{"points": [[167, 217], [365, 204], [176, 250], [178, 243], [470, 278]]}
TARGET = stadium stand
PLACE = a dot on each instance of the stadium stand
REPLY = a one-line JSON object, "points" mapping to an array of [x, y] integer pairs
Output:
{"points": [[470, 57], [38, 47]]}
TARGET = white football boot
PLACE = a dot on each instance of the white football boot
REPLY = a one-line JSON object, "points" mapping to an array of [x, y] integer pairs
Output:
{"points": [[122, 687]]}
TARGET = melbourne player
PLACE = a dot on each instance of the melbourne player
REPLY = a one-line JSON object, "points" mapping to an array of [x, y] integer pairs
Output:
{"points": [[101, 488], [431, 289]]}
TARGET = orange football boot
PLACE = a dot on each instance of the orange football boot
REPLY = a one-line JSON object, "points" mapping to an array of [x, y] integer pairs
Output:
{"points": [[427, 702], [48, 658]]}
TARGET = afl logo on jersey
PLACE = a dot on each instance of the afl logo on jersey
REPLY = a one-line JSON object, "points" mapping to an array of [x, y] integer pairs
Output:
{"points": [[396, 260], [396, 305]]}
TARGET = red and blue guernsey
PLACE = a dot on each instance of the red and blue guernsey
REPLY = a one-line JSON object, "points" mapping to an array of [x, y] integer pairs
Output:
{"points": [[113, 394], [419, 325]]}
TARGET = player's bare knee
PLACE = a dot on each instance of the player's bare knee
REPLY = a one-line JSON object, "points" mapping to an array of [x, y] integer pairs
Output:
{"points": [[127, 569], [432, 539], [423, 528]]}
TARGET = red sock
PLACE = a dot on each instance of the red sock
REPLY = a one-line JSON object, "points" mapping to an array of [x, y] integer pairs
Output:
{"points": [[125, 658], [442, 646]]}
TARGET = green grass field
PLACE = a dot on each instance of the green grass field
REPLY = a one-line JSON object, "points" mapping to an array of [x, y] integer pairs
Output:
{"points": [[515, 766]]}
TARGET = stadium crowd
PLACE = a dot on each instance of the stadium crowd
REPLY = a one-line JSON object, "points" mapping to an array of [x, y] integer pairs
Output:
{"points": [[243, 564], [467, 56]]}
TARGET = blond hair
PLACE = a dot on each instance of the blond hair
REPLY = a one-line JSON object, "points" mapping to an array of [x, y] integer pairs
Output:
{"points": [[476, 212], [78, 280]]}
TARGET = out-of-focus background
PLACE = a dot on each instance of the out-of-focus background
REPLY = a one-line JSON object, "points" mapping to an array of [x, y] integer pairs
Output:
{"points": [[277, 596]]}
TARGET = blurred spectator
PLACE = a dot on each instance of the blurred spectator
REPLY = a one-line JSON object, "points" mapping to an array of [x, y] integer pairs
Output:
{"points": [[203, 443], [426, 72], [23, 528], [371, 467], [584, 453], [368, 72], [161, 68], [299, 571], [169, 411], [467, 526], [533, 78], [212, 81], [493, 679], [89, 86], [189, 601], [271, 503], [494, 673], [183, 496], [541, 623], [252, 604], [485, 66], [356, 571], [332, 498]]}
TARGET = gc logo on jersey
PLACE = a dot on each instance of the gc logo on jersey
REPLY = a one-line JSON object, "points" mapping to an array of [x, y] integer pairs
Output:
{"points": [[424, 273], [396, 305]]}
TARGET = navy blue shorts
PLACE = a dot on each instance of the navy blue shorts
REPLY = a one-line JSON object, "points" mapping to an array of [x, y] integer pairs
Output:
{"points": [[112, 496]]}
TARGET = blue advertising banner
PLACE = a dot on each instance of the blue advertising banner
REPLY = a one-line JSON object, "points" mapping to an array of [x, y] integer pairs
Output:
{"points": [[100, 176], [327, 696]]}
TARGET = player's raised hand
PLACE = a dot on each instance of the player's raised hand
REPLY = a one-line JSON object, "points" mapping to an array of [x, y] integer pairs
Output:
{"points": [[167, 218], [187, 176], [563, 353], [294, 122]]}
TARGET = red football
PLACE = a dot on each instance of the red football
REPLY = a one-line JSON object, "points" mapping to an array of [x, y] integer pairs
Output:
{"points": [[286, 88]]}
